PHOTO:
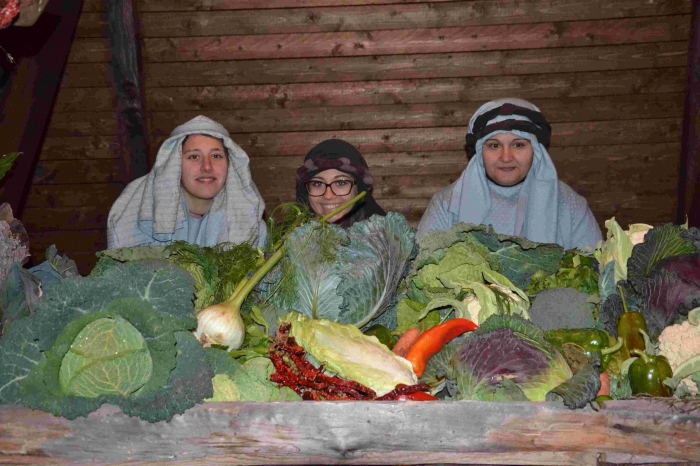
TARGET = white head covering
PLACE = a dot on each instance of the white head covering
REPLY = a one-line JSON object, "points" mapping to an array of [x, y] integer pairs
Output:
{"points": [[154, 203], [536, 217]]}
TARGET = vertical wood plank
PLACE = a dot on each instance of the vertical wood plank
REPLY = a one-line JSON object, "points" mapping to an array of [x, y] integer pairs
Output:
{"points": [[29, 102], [689, 179], [126, 78]]}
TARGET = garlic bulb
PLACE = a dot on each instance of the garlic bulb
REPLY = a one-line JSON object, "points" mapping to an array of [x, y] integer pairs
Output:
{"points": [[220, 325]]}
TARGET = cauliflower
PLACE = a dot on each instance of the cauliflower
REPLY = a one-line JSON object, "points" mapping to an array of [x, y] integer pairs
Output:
{"points": [[679, 343]]}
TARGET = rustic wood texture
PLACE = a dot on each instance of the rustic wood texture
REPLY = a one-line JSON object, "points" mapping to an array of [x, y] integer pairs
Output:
{"points": [[124, 47], [400, 80], [41, 52], [630, 432]]}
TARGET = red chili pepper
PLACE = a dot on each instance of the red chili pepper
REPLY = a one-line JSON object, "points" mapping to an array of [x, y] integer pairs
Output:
{"points": [[431, 341], [417, 396], [8, 13]]}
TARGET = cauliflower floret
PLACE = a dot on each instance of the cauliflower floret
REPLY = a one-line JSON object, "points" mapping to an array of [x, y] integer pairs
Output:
{"points": [[678, 343]]}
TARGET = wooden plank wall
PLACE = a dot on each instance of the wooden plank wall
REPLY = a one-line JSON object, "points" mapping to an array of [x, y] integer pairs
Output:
{"points": [[397, 78]]}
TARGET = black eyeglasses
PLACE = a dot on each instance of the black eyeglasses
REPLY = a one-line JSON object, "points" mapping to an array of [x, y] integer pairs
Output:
{"points": [[317, 188]]}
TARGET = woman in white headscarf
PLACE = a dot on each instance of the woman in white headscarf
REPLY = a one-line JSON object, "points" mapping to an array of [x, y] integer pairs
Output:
{"points": [[511, 183], [200, 190]]}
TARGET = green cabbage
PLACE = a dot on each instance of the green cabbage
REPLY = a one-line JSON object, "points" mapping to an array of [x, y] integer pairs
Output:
{"points": [[121, 337], [345, 276], [109, 356]]}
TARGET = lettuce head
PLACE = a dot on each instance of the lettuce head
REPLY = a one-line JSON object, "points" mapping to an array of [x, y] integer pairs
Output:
{"points": [[346, 351]]}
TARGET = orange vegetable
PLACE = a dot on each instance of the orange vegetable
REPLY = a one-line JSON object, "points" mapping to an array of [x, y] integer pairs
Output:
{"points": [[406, 341], [431, 341], [604, 384]]}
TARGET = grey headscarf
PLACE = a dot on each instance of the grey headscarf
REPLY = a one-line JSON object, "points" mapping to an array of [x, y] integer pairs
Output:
{"points": [[153, 207], [537, 212]]}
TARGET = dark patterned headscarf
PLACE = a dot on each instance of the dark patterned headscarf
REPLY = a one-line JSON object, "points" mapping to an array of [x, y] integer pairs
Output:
{"points": [[342, 156]]}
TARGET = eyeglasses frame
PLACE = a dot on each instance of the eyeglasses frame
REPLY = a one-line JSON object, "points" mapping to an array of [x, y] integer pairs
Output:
{"points": [[328, 185]]}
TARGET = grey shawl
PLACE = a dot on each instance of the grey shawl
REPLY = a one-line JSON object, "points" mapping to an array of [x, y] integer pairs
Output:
{"points": [[151, 210]]}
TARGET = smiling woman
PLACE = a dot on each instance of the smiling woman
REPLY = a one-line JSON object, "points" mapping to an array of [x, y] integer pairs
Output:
{"points": [[333, 173], [511, 182], [200, 191]]}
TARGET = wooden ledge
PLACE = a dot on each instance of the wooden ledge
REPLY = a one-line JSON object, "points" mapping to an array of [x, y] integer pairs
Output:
{"points": [[638, 431]]}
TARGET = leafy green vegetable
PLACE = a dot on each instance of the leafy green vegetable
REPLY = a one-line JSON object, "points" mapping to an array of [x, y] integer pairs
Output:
{"points": [[251, 382], [109, 356], [343, 349], [217, 270], [52, 362], [6, 162], [409, 315], [448, 261], [617, 248], [576, 271], [580, 389], [346, 276]]}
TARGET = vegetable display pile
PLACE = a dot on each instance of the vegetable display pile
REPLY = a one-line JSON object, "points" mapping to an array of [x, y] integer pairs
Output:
{"points": [[366, 313]]}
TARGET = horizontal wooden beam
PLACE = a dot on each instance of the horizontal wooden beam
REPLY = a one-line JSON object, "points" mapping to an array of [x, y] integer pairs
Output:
{"points": [[638, 431], [394, 42], [375, 68]]}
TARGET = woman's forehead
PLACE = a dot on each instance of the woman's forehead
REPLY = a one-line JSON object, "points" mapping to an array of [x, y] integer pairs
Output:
{"points": [[195, 141]]}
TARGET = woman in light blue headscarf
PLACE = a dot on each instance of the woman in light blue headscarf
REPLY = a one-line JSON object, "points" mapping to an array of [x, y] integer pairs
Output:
{"points": [[511, 183], [200, 191]]}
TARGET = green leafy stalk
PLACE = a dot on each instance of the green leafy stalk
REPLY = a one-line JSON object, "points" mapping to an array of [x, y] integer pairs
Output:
{"points": [[6, 162], [241, 293]]}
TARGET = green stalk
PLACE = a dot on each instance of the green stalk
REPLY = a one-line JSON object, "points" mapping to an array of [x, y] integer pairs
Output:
{"points": [[244, 288]]}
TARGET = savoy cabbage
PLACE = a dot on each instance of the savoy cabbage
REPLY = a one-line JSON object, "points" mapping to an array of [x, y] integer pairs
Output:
{"points": [[121, 337]]}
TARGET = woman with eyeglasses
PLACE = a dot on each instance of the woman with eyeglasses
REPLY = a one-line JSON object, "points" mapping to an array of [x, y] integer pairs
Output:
{"points": [[333, 173]]}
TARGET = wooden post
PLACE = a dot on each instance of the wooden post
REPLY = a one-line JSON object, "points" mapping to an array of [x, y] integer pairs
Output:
{"points": [[459, 432], [126, 77], [28, 104], [689, 179]]}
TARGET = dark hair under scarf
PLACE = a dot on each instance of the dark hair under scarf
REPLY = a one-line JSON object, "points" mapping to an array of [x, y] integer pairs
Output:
{"points": [[342, 156]]}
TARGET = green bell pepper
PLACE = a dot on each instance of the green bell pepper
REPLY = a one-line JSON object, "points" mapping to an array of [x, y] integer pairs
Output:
{"points": [[647, 374], [591, 340]]}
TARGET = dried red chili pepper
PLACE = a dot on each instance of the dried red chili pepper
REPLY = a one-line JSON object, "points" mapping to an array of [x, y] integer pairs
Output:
{"points": [[8, 13]]}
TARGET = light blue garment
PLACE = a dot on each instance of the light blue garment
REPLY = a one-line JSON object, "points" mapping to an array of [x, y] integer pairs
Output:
{"points": [[142, 233], [151, 211], [546, 210]]}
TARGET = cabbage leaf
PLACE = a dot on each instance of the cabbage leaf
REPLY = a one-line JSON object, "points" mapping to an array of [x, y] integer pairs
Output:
{"points": [[155, 300], [345, 276], [505, 358]]}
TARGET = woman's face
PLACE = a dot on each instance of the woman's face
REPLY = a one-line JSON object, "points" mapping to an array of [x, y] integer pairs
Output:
{"points": [[328, 202], [204, 166], [507, 158]]}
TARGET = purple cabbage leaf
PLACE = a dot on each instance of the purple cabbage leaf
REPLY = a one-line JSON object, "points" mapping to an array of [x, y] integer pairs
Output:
{"points": [[507, 359]]}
